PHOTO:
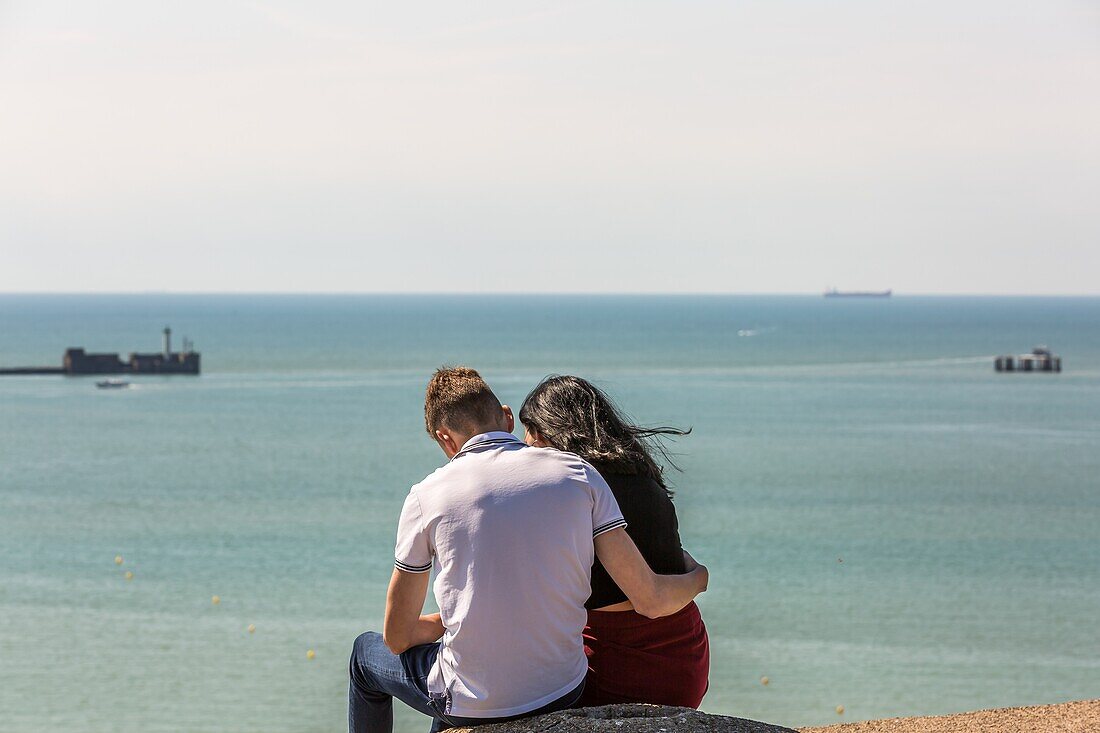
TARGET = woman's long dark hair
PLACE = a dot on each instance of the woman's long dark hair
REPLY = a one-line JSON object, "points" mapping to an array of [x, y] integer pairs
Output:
{"points": [[572, 414]]}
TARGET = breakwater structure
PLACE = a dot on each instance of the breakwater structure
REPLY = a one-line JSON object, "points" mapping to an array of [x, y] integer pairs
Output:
{"points": [[1039, 360], [77, 362]]}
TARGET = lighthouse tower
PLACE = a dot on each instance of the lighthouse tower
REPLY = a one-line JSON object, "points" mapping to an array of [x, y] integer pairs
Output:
{"points": [[167, 343]]}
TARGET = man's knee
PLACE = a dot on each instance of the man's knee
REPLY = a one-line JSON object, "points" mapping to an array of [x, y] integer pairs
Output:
{"points": [[367, 640], [366, 647], [364, 644]]}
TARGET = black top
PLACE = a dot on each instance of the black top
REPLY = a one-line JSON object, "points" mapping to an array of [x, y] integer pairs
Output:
{"points": [[650, 522]]}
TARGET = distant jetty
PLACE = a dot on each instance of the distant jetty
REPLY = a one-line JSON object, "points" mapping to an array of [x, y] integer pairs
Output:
{"points": [[1039, 360], [834, 293], [77, 361]]}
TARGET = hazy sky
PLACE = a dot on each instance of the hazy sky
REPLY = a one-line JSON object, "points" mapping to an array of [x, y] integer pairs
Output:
{"points": [[752, 146]]}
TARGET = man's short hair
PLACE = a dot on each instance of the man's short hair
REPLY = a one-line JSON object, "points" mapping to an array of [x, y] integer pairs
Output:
{"points": [[458, 398]]}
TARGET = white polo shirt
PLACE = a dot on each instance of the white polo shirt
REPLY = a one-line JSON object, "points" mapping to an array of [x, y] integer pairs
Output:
{"points": [[509, 529]]}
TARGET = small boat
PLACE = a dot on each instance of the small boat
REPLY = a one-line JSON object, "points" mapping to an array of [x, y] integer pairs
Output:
{"points": [[1041, 359], [113, 384]]}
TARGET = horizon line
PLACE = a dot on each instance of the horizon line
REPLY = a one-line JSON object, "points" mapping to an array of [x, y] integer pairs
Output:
{"points": [[553, 293]]}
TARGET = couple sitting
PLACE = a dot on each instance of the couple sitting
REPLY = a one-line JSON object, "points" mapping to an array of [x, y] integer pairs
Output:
{"points": [[558, 585]]}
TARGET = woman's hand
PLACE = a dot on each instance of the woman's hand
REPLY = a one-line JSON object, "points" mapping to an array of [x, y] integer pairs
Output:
{"points": [[689, 562], [691, 565]]}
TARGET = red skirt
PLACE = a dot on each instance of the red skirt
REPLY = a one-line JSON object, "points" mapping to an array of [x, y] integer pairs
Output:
{"points": [[631, 658]]}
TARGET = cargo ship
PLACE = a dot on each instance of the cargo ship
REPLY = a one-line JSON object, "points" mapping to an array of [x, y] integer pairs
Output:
{"points": [[77, 361], [834, 293]]}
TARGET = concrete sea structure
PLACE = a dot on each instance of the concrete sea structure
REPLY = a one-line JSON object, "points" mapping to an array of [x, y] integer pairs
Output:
{"points": [[77, 361]]}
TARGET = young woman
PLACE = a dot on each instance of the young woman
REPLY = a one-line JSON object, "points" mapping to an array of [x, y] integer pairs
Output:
{"points": [[631, 658]]}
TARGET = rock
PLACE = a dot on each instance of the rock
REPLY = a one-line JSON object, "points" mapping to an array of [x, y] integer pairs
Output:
{"points": [[633, 718]]}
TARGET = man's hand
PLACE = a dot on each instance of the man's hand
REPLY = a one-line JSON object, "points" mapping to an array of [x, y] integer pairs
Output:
{"points": [[652, 595], [428, 629], [404, 627]]}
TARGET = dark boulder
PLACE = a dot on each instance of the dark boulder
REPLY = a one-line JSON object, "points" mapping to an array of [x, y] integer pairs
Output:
{"points": [[631, 718]]}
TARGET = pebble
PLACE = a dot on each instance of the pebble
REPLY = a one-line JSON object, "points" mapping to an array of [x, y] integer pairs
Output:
{"points": [[764, 681]]}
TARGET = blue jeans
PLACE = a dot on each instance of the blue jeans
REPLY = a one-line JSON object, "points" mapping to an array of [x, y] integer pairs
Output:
{"points": [[378, 675]]}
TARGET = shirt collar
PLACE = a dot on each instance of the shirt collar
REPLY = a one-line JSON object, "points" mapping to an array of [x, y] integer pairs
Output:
{"points": [[487, 440]]}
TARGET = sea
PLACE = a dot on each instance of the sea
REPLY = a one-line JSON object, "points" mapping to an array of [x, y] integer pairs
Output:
{"points": [[890, 525]]}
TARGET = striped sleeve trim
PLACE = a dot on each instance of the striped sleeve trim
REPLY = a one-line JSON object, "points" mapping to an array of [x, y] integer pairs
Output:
{"points": [[608, 526], [412, 568]]}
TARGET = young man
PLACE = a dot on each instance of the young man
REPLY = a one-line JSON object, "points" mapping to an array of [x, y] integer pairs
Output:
{"points": [[512, 531]]}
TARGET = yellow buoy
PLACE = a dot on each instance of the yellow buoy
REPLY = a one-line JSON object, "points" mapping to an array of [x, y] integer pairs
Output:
{"points": [[311, 654], [764, 680], [118, 559], [129, 575], [840, 710], [252, 628], [216, 600]]}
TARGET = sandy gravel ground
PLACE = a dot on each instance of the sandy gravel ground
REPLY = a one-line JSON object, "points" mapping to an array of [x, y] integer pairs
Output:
{"points": [[1068, 717]]}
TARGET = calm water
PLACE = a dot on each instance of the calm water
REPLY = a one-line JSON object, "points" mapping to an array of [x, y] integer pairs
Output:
{"points": [[890, 525]]}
